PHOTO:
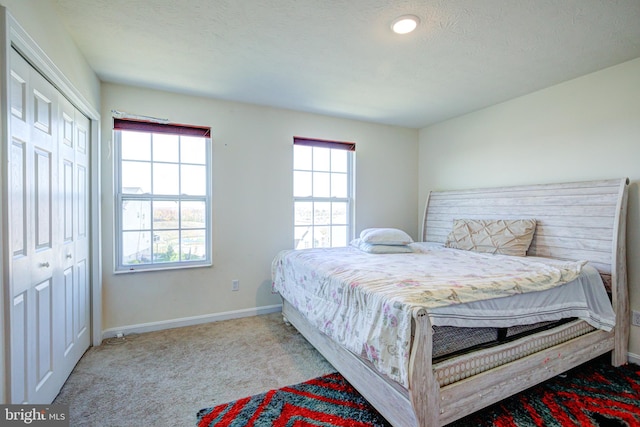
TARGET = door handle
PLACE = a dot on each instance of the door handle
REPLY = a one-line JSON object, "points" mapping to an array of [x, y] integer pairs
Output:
{"points": [[44, 264], [69, 256]]}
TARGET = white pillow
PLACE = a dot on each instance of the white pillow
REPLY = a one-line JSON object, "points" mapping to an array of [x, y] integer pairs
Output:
{"points": [[380, 249], [385, 236]]}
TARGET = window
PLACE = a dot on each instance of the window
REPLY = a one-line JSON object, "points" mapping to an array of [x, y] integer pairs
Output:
{"points": [[163, 195], [323, 192]]}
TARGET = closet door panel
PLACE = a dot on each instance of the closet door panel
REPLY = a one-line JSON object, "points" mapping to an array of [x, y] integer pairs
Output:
{"points": [[18, 99], [20, 162], [69, 302], [44, 333], [67, 201], [74, 252], [82, 310], [19, 350], [45, 288], [81, 230], [18, 199], [43, 211], [21, 237]]}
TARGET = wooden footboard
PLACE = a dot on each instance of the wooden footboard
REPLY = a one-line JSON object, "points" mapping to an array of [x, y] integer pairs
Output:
{"points": [[425, 403], [472, 394], [437, 406]]}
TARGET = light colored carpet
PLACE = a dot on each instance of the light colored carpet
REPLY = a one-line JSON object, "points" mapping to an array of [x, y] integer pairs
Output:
{"points": [[163, 378]]}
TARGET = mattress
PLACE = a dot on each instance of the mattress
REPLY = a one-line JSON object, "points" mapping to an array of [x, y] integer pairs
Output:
{"points": [[449, 341]]}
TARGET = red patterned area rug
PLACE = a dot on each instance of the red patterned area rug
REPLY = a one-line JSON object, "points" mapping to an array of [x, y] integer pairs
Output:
{"points": [[594, 395]]}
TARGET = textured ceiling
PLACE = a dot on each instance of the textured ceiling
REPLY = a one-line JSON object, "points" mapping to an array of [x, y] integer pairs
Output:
{"points": [[339, 57]]}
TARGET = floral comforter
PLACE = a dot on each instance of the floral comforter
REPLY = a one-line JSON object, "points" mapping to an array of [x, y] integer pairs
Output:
{"points": [[366, 301]]}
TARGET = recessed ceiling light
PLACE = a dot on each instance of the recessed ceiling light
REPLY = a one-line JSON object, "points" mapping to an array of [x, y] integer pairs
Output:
{"points": [[405, 24]]}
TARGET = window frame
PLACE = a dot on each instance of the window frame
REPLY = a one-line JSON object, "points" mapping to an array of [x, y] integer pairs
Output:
{"points": [[349, 147], [151, 127]]}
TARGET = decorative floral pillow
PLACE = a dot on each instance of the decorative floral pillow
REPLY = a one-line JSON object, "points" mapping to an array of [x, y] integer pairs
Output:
{"points": [[496, 236]]}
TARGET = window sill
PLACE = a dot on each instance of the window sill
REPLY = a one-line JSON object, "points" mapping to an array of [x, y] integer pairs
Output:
{"points": [[161, 268]]}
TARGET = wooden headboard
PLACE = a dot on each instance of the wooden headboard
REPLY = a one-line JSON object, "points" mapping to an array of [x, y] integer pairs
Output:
{"points": [[575, 221]]}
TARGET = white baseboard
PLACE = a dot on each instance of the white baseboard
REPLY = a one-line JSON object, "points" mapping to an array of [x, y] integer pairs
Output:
{"points": [[633, 358], [189, 321]]}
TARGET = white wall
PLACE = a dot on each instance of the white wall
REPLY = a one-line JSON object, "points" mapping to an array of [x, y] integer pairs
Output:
{"points": [[40, 21], [583, 129], [252, 200]]}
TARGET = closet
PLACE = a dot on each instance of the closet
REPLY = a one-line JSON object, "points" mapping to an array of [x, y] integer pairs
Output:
{"points": [[47, 303]]}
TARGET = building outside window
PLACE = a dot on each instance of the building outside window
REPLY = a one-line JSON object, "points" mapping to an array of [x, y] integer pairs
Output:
{"points": [[323, 192], [163, 195]]}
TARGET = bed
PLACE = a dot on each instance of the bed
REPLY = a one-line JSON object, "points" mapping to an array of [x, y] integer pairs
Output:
{"points": [[578, 241]]}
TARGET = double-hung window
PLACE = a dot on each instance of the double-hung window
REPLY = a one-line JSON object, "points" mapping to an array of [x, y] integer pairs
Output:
{"points": [[163, 195], [323, 192]]}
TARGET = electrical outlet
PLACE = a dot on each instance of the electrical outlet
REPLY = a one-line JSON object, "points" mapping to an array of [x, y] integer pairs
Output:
{"points": [[635, 318], [235, 285]]}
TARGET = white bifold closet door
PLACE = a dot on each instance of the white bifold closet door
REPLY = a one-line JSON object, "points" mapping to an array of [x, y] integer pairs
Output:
{"points": [[48, 175]]}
